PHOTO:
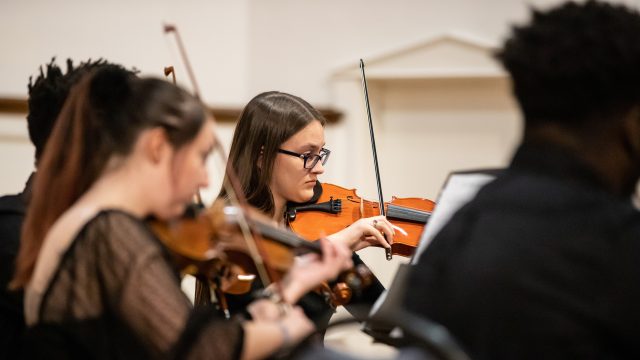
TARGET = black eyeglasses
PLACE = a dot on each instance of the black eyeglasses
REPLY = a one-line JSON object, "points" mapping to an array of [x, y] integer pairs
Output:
{"points": [[310, 160]]}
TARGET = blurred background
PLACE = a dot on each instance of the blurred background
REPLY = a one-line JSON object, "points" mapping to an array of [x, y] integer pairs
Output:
{"points": [[440, 102]]}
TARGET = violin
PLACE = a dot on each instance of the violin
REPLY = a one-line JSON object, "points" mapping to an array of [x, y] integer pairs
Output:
{"points": [[265, 250], [207, 243], [192, 242], [333, 208]]}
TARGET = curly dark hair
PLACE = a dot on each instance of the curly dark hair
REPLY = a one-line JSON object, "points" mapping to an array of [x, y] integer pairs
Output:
{"points": [[575, 63], [48, 92]]}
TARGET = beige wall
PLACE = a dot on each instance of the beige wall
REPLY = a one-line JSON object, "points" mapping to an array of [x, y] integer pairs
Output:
{"points": [[239, 48], [130, 33], [16, 154], [426, 126]]}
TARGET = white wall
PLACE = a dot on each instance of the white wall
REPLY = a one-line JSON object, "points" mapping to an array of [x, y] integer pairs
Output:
{"points": [[16, 154], [130, 33], [294, 45], [239, 48], [126, 32]]}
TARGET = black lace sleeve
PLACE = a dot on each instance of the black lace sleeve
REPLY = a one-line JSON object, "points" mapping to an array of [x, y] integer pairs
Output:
{"points": [[119, 272]]}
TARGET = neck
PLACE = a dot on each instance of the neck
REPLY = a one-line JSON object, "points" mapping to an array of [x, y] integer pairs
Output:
{"points": [[118, 188], [279, 206], [603, 153]]}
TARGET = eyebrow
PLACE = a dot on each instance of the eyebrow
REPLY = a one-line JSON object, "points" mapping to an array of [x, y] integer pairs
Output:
{"points": [[311, 146]]}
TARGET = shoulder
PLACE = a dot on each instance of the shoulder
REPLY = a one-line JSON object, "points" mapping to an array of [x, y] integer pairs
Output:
{"points": [[12, 211], [114, 220], [120, 233], [119, 242], [517, 193], [12, 205]]}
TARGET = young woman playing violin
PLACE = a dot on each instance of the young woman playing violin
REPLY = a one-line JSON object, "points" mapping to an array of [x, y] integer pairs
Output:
{"points": [[98, 283], [278, 151]]}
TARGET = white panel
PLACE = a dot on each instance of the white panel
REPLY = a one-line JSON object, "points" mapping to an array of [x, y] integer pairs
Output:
{"points": [[16, 153]]}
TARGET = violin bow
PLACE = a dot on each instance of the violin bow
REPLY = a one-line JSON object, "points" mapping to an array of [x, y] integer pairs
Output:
{"points": [[232, 187], [169, 70], [202, 295], [388, 252]]}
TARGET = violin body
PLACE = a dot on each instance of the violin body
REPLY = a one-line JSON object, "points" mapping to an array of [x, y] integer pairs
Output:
{"points": [[338, 207], [193, 242], [209, 244]]}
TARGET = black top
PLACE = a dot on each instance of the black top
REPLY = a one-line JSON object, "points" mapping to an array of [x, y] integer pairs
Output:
{"points": [[115, 295], [12, 212], [543, 264]]}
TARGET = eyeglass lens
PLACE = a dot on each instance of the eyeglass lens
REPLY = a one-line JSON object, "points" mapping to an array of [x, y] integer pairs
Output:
{"points": [[312, 160]]}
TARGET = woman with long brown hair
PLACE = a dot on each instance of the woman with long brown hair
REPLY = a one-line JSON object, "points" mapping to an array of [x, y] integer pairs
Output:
{"points": [[98, 283], [278, 151]]}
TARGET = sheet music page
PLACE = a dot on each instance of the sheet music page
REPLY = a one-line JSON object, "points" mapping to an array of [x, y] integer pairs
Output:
{"points": [[459, 190]]}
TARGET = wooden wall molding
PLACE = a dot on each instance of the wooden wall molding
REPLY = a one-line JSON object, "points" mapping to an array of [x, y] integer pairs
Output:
{"points": [[12, 105]]}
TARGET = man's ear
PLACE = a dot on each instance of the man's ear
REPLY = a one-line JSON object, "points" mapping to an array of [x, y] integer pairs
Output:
{"points": [[156, 144]]}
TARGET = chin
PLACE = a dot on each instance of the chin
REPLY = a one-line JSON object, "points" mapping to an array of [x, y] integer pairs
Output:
{"points": [[178, 210], [171, 213], [305, 196]]}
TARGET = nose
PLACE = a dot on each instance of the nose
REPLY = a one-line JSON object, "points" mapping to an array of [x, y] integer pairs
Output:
{"points": [[204, 180], [318, 168]]}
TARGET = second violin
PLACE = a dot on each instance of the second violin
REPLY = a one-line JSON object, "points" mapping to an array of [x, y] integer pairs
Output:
{"points": [[333, 208], [207, 243]]}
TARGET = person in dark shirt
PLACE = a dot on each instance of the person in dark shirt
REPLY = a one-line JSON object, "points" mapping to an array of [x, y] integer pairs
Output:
{"points": [[12, 210], [544, 263], [47, 94]]}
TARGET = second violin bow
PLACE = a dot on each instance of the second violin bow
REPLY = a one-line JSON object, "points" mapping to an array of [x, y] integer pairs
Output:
{"points": [[388, 252]]}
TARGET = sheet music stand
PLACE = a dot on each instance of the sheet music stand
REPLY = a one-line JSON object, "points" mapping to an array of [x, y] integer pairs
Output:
{"points": [[459, 188]]}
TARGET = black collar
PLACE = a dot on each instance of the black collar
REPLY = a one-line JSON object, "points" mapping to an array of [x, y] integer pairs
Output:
{"points": [[558, 162]]}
